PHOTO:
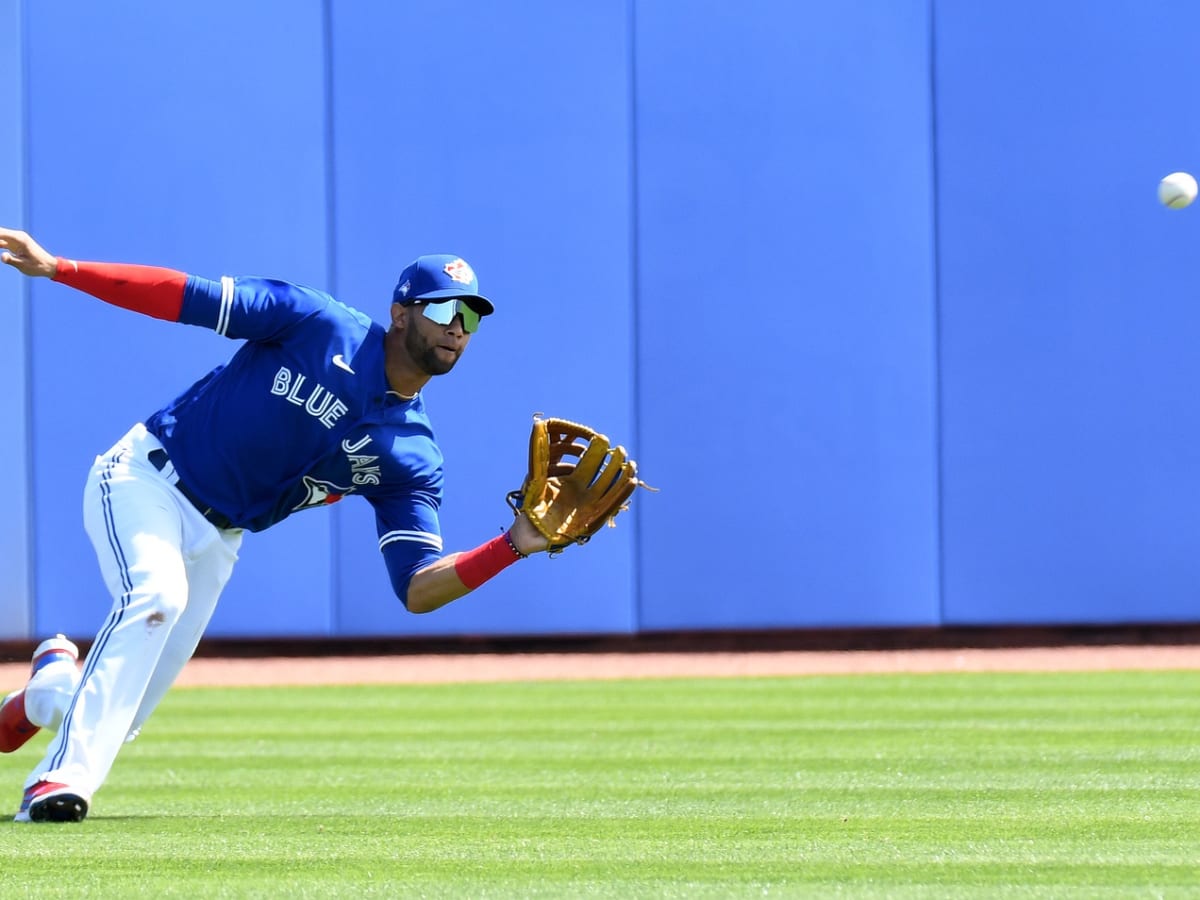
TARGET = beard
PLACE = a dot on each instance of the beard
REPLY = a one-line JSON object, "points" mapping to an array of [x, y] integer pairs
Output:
{"points": [[426, 355]]}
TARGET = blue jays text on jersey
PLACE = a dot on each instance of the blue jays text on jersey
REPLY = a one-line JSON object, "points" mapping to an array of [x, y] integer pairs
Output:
{"points": [[301, 416]]}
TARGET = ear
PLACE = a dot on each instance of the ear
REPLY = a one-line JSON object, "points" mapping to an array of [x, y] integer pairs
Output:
{"points": [[399, 315]]}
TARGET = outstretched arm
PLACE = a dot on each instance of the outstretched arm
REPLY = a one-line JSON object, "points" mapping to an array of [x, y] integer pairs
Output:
{"points": [[458, 574], [150, 290]]}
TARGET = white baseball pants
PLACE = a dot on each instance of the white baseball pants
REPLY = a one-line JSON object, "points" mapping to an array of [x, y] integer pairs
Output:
{"points": [[165, 566]]}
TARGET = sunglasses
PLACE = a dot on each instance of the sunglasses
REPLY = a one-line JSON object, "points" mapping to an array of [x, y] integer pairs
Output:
{"points": [[444, 311]]}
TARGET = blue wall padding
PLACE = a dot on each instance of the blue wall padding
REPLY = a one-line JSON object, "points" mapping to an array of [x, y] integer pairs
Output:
{"points": [[1069, 322], [785, 316]]}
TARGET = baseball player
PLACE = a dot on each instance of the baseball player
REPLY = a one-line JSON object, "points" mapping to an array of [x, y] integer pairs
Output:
{"points": [[318, 402]]}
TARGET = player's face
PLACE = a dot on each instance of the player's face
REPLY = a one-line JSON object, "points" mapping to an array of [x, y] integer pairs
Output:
{"points": [[434, 348]]}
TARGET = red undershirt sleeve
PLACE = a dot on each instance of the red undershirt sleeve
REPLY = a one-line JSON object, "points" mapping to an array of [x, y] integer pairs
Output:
{"points": [[150, 290]]}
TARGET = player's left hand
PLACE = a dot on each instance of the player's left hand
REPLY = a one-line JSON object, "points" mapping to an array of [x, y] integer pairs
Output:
{"points": [[27, 256], [527, 538]]}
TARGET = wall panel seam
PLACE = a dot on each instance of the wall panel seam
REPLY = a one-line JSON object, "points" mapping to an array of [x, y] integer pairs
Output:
{"points": [[938, 421]]}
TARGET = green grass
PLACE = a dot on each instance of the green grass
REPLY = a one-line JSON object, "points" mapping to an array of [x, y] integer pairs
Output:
{"points": [[1014, 785]]}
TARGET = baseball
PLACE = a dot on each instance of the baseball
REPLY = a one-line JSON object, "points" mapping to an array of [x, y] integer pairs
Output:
{"points": [[1177, 190]]}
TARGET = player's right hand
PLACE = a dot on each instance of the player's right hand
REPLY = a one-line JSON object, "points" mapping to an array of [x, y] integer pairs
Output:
{"points": [[27, 256]]}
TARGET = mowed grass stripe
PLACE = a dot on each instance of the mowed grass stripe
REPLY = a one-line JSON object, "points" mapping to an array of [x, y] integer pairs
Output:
{"points": [[1068, 784]]}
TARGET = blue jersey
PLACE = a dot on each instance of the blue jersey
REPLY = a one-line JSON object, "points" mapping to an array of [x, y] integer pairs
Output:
{"points": [[301, 416]]}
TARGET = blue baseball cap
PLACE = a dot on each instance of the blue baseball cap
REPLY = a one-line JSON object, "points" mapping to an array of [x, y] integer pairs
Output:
{"points": [[441, 276]]}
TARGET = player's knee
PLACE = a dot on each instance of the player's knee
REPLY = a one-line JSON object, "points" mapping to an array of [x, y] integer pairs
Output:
{"points": [[163, 609], [156, 599]]}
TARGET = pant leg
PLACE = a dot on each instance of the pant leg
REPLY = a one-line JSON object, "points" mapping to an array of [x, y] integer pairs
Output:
{"points": [[207, 575], [143, 531]]}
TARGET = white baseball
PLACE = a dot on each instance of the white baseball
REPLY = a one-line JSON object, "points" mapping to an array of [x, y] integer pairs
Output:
{"points": [[1177, 190]]}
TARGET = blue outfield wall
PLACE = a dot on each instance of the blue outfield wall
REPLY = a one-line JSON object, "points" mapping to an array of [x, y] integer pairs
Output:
{"points": [[1069, 321], [785, 315], [877, 291]]}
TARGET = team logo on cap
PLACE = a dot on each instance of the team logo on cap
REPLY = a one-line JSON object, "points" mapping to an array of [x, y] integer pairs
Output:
{"points": [[404, 289], [459, 271]]}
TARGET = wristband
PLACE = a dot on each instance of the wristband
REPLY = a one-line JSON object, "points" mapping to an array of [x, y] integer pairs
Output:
{"points": [[513, 547], [474, 567]]}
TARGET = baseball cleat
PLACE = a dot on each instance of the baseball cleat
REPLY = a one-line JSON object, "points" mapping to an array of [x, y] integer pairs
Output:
{"points": [[15, 727], [50, 801]]}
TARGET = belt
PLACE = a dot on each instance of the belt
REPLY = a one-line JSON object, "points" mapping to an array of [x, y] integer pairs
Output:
{"points": [[159, 459]]}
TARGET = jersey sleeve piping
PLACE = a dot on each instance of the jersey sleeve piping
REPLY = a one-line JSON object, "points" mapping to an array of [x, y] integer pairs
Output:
{"points": [[425, 538], [226, 305]]}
